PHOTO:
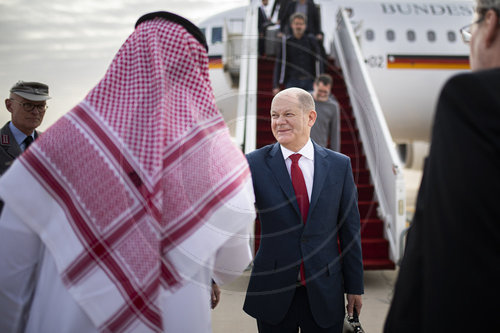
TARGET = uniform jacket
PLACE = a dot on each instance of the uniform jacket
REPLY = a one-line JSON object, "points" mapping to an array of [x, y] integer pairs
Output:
{"points": [[333, 212], [9, 149]]}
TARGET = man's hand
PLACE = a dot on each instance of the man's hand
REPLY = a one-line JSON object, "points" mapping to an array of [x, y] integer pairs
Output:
{"points": [[215, 295], [276, 90], [354, 301]]}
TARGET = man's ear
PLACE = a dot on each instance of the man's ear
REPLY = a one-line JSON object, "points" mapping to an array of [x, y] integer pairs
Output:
{"points": [[8, 104], [312, 118], [491, 26]]}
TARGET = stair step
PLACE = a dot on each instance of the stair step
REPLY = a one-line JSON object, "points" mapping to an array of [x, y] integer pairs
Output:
{"points": [[263, 143], [372, 228], [266, 136], [350, 147], [346, 116], [361, 176], [263, 126], [350, 133], [343, 99], [358, 162], [375, 248], [346, 110], [368, 209], [365, 192]]}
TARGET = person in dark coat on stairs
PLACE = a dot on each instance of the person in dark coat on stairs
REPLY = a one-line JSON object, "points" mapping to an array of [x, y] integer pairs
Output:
{"points": [[263, 23], [299, 60], [280, 7], [310, 11]]}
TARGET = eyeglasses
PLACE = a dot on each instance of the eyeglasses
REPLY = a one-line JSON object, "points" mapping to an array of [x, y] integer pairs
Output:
{"points": [[28, 107], [465, 31]]}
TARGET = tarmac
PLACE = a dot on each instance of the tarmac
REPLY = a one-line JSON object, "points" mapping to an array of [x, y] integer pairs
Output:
{"points": [[229, 317]]}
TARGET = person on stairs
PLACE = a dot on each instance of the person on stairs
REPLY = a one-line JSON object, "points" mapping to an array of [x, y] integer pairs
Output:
{"points": [[326, 129], [299, 59]]}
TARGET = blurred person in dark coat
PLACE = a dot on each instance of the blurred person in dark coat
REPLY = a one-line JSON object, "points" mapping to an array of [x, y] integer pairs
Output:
{"points": [[448, 281]]}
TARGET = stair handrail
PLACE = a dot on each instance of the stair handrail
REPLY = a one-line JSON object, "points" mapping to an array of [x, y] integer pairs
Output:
{"points": [[232, 53], [383, 161], [246, 118]]}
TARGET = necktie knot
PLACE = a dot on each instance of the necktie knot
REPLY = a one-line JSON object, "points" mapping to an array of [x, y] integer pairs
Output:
{"points": [[295, 158], [27, 141]]}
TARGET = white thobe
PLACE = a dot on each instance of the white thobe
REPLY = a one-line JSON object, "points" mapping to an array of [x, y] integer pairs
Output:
{"points": [[33, 297]]}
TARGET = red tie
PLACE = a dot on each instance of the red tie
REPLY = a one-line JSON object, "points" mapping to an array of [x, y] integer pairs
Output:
{"points": [[299, 186]]}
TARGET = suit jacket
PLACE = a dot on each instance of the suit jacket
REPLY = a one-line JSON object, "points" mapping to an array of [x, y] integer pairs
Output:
{"points": [[448, 280], [9, 149], [313, 18], [285, 62], [282, 8], [333, 212], [263, 21]]}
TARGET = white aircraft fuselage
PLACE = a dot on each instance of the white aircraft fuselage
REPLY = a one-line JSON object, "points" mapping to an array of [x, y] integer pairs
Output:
{"points": [[410, 49]]}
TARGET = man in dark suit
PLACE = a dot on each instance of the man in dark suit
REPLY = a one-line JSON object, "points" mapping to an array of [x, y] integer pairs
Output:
{"points": [[448, 280], [27, 105], [310, 250], [281, 5], [309, 9], [299, 60], [263, 23]]}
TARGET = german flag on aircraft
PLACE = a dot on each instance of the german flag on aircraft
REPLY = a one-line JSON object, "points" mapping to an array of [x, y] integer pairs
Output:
{"points": [[399, 61], [215, 62]]}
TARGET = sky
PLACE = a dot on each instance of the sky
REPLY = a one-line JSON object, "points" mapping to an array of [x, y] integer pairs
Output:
{"points": [[68, 44]]}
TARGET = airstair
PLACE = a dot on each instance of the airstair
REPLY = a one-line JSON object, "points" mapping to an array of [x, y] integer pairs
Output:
{"points": [[364, 138]]}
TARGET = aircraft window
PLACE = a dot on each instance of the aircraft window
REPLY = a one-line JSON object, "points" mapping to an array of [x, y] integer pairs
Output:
{"points": [[431, 36], [370, 34], [390, 35], [203, 32], [216, 35], [452, 37], [410, 35]]}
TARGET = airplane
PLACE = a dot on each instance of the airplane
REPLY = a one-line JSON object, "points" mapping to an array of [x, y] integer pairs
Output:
{"points": [[392, 58], [410, 49]]}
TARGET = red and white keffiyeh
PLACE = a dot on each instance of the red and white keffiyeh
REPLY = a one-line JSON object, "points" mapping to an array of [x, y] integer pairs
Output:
{"points": [[147, 176]]}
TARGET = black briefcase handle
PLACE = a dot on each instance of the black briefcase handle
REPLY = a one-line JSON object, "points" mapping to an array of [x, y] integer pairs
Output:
{"points": [[352, 324]]}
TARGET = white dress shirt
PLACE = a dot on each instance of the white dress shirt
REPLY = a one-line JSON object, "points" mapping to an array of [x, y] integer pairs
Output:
{"points": [[306, 164]]}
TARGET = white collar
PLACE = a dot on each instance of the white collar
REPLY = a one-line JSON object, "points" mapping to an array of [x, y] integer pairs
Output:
{"points": [[307, 151]]}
